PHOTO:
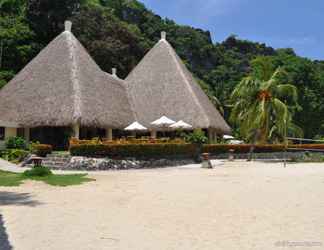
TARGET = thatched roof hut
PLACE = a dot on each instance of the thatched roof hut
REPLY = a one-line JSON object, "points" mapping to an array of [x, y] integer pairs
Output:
{"points": [[63, 86], [162, 85]]}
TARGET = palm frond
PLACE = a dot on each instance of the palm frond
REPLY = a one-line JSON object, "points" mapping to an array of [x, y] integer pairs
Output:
{"points": [[287, 91]]}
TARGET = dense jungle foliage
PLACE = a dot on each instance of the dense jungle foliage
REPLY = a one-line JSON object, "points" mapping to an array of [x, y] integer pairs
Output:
{"points": [[117, 33]]}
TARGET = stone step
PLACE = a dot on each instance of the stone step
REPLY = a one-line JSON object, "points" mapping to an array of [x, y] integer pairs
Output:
{"points": [[57, 157], [57, 160], [60, 154]]}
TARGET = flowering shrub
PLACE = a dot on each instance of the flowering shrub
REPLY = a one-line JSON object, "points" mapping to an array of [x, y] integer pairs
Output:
{"points": [[41, 149], [122, 149], [134, 150]]}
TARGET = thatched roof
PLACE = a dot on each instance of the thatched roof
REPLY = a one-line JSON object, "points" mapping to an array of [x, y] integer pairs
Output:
{"points": [[63, 86], [162, 85], [9, 124]]}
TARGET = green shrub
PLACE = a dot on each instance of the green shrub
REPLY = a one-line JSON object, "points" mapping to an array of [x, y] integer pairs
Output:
{"points": [[38, 171], [134, 150], [14, 155], [308, 157], [197, 137], [41, 149], [16, 142]]}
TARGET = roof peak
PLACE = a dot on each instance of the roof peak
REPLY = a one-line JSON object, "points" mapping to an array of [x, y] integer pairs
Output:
{"points": [[163, 35], [68, 25], [114, 72]]}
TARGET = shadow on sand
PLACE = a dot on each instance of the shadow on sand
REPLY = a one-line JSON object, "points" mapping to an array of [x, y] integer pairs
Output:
{"points": [[12, 199], [18, 199], [4, 242]]}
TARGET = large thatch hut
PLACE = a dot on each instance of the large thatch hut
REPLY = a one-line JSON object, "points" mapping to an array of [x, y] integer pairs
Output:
{"points": [[162, 85], [63, 87]]}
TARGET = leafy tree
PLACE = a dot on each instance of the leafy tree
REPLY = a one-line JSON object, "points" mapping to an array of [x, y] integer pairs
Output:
{"points": [[15, 42], [260, 105], [11, 6], [47, 17], [110, 42]]}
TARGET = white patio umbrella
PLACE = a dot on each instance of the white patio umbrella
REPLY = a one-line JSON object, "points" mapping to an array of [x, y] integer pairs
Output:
{"points": [[163, 122], [236, 142], [228, 137], [136, 126], [181, 125]]}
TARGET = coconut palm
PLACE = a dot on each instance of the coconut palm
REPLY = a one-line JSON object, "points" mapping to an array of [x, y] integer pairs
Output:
{"points": [[264, 108]]}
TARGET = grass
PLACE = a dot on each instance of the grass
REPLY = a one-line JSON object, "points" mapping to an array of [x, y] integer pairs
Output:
{"points": [[8, 179], [63, 180]]}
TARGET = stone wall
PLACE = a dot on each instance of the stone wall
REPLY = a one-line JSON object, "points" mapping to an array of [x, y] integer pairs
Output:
{"points": [[94, 164], [66, 162]]}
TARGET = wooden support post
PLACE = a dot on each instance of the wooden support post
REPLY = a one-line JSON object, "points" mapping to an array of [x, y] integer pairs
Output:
{"points": [[210, 135], [10, 132], [76, 131], [214, 136], [153, 134], [27, 134], [109, 134]]}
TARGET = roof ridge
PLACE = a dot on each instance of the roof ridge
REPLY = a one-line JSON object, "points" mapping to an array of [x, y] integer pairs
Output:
{"points": [[174, 57], [131, 100], [74, 76], [118, 80], [141, 61], [122, 83]]}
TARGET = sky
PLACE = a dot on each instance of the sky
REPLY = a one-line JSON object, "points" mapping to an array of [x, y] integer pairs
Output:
{"points": [[297, 24]]}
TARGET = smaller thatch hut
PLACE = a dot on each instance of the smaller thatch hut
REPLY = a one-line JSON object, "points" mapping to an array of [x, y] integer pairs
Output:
{"points": [[162, 85]]}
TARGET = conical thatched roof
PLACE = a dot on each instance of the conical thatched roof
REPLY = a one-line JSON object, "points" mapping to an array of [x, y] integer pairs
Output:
{"points": [[63, 86], [162, 85]]}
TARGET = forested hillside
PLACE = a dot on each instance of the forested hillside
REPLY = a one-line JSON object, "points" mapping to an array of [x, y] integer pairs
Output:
{"points": [[117, 33]]}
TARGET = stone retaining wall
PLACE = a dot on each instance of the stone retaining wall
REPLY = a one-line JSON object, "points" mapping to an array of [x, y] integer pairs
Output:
{"points": [[94, 164], [66, 162]]}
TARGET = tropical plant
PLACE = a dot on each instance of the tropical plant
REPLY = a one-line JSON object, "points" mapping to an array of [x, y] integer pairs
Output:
{"points": [[197, 137], [263, 108], [16, 142]]}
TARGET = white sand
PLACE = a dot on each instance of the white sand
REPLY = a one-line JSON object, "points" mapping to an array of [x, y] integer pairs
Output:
{"points": [[236, 206]]}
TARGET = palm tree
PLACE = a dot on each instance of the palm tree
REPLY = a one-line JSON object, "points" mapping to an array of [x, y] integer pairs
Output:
{"points": [[260, 108]]}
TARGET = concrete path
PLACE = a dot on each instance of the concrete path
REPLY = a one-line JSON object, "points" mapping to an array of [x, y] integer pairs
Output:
{"points": [[8, 166], [11, 167]]}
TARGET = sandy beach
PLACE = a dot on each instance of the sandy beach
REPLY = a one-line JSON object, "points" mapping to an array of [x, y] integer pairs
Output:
{"points": [[238, 205]]}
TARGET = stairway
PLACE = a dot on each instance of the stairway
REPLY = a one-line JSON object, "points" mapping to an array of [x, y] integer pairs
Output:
{"points": [[57, 160]]}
